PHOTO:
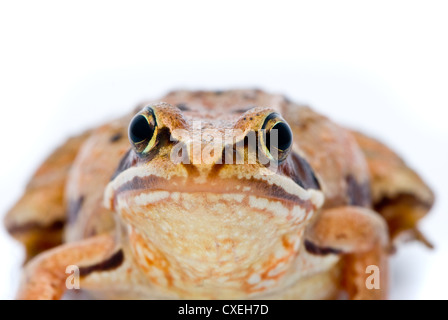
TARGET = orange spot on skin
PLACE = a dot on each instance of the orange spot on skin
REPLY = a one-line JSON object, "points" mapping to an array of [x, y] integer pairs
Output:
{"points": [[147, 264], [272, 264]]}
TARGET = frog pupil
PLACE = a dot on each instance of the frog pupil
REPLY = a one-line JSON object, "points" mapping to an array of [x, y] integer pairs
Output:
{"points": [[284, 136], [140, 130]]}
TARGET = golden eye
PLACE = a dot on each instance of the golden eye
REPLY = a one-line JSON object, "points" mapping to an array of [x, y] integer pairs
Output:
{"points": [[276, 137], [143, 131]]}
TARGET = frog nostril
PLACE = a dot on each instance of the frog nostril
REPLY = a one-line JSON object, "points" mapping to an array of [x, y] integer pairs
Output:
{"points": [[302, 173]]}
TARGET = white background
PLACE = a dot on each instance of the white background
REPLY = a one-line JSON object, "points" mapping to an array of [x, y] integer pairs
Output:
{"points": [[380, 66]]}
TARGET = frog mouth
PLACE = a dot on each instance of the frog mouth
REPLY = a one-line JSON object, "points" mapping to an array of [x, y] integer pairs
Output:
{"points": [[276, 188]]}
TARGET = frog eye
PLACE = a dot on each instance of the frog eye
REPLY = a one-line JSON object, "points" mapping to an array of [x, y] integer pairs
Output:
{"points": [[143, 131], [276, 137]]}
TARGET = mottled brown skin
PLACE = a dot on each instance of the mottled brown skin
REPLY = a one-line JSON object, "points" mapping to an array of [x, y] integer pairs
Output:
{"points": [[38, 218], [372, 199], [397, 191]]}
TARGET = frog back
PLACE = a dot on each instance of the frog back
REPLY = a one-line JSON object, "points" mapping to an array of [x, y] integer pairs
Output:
{"points": [[334, 155], [93, 168]]}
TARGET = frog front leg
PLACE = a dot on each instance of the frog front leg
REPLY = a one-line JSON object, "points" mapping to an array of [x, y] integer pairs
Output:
{"points": [[100, 264], [360, 236]]}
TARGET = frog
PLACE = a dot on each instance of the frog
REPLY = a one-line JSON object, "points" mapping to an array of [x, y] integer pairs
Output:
{"points": [[186, 197]]}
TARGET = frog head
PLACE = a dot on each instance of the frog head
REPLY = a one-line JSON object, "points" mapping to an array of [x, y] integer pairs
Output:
{"points": [[213, 198]]}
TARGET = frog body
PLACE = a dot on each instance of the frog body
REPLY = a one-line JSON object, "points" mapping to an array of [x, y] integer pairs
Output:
{"points": [[174, 200]]}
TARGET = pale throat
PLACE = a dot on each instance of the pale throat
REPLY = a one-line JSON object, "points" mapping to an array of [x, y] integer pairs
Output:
{"points": [[239, 241]]}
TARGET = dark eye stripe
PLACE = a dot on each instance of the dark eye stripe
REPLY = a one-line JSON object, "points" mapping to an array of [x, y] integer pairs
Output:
{"points": [[303, 173], [128, 160]]}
